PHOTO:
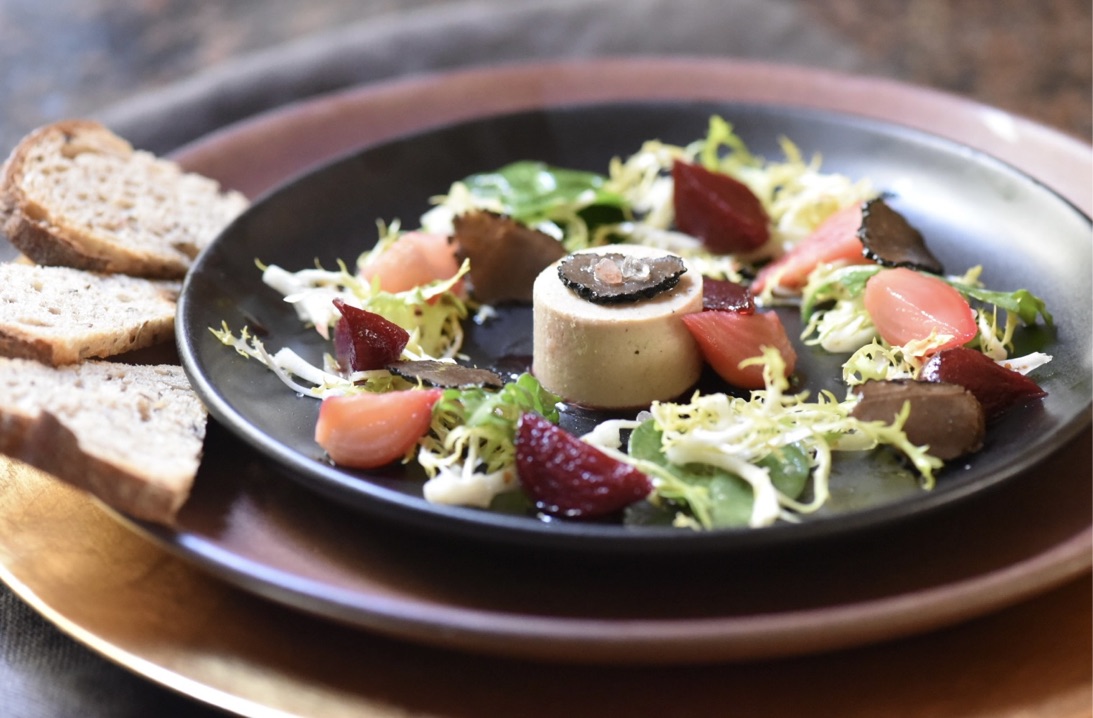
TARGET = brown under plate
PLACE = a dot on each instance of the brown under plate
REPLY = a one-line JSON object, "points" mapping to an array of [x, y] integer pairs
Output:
{"points": [[129, 599]]}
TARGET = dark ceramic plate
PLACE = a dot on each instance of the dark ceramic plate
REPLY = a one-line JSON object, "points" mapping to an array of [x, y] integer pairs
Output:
{"points": [[972, 208]]}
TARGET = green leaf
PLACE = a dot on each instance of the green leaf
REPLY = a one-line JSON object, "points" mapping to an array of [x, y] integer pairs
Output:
{"points": [[730, 499], [723, 147], [476, 406], [790, 468], [512, 502], [647, 513], [529, 395], [842, 283], [716, 497], [1021, 303], [645, 443], [530, 191], [487, 419]]}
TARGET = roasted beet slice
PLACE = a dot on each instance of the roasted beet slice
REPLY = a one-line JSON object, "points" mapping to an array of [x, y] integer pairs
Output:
{"points": [[364, 340], [569, 478], [726, 339], [834, 241], [614, 278], [997, 388], [505, 256], [719, 210], [945, 417], [445, 374], [889, 239], [369, 430], [909, 306], [727, 296]]}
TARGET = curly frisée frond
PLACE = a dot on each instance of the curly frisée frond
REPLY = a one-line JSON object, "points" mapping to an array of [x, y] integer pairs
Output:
{"points": [[736, 434], [302, 376], [432, 313], [470, 452]]}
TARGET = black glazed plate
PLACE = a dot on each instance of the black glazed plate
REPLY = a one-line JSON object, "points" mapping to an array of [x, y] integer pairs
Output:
{"points": [[972, 209]]}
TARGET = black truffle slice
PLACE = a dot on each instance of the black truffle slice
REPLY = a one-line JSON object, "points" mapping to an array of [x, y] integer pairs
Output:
{"points": [[889, 239], [445, 374], [614, 278], [505, 256]]}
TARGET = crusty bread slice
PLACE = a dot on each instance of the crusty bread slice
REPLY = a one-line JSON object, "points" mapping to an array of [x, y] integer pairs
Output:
{"points": [[60, 315], [132, 435], [75, 194]]}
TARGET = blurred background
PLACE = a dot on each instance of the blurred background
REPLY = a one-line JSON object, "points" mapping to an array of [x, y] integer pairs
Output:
{"points": [[225, 60]]}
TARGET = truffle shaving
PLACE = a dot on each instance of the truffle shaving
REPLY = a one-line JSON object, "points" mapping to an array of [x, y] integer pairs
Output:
{"points": [[613, 278], [445, 374], [505, 255], [889, 239]]}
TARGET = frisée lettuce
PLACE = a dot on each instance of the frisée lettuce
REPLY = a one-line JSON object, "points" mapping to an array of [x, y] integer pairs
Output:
{"points": [[432, 313], [836, 319], [777, 443]]}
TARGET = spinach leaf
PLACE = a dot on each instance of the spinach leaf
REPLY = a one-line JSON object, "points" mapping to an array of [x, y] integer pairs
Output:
{"points": [[717, 498], [531, 191]]}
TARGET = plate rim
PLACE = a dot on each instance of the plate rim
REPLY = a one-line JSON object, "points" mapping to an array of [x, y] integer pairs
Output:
{"points": [[668, 641], [736, 80]]}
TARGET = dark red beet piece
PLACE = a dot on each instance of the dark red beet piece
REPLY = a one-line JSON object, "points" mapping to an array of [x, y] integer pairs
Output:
{"points": [[721, 211], [364, 340], [567, 477], [727, 296], [998, 389]]}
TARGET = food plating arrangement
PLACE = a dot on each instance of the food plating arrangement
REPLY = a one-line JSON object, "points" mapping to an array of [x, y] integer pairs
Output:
{"points": [[656, 289]]}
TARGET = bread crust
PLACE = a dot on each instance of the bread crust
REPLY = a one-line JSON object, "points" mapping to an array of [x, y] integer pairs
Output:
{"points": [[48, 445], [126, 313], [23, 345], [35, 237], [48, 245], [46, 236], [20, 346], [129, 434], [44, 423]]}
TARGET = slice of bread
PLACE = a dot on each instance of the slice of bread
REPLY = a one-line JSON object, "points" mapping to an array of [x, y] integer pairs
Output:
{"points": [[132, 435], [74, 194], [59, 315]]}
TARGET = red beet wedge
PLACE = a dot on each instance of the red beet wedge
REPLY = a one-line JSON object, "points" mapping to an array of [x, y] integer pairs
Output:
{"points": [[728, 338], [721, 211], [569, 478], [364, 340], [998, 389], [724, 295], [835, 240]]}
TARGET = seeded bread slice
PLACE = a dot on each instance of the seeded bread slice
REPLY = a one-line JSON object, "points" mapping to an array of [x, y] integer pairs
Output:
{"points": [[131, 435], [59, 315], [75, 194]]}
